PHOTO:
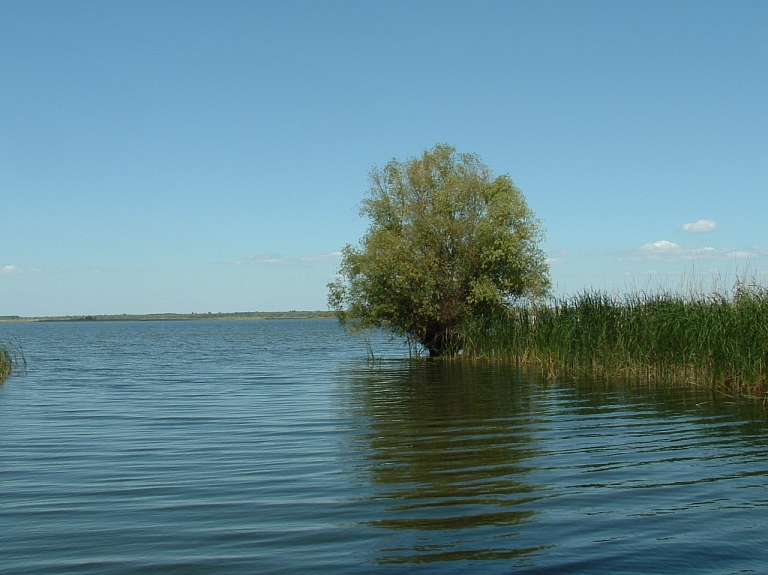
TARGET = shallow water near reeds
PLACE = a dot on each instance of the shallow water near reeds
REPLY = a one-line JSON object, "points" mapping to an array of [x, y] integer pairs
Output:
{"points": [[278, 447]]}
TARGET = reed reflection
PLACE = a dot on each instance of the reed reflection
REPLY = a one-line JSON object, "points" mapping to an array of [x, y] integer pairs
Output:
{"points": [[447, 445]]}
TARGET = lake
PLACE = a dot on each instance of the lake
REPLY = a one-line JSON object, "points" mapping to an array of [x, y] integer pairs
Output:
{"points": [[279, 447]]}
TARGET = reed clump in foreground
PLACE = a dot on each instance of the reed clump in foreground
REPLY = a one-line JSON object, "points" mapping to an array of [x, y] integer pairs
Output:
{"points": [[11, 359], [6, 362], [717, 339]]}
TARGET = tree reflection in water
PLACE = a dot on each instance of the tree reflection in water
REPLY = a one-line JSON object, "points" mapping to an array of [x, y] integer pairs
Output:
{"points": [[447, 444]]}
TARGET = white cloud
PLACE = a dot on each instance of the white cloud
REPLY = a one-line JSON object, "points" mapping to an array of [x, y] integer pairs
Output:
{"points": [[700, 227], [259, 259], [742, 254], [666, 251], [662, 246], [557, 257], [7, 270], [273, 260], [321, 257]]}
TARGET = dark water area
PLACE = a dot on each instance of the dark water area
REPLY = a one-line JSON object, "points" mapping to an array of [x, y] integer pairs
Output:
{"points": [[278, 447]]}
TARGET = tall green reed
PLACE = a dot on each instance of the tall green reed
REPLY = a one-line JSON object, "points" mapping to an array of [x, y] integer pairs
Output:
{"points": [[11, 358], [6, 362], [717, 338]]}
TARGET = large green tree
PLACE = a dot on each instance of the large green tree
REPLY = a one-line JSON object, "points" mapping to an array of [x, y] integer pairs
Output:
{"points": [[447, 240]]}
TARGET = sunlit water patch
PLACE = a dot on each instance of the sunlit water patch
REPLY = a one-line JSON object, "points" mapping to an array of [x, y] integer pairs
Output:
{"points": [[279, 447]]}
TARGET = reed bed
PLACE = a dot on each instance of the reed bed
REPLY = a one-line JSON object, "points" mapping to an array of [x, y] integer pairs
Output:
{"points": [[714, 339]]}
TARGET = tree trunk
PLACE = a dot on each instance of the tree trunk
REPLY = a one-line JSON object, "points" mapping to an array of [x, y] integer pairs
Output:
{"points": [[438, 341]]}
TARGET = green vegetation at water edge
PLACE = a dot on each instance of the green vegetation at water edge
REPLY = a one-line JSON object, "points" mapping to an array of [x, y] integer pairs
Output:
{"points": [[716, 339], [11, 359], [6, 362]]}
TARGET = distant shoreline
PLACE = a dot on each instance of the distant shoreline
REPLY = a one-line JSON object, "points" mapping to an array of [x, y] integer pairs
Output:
{"points": [[240, 315]]}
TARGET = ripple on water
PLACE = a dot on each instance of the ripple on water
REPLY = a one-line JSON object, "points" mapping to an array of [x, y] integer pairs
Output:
{"points": [[242, 447]]}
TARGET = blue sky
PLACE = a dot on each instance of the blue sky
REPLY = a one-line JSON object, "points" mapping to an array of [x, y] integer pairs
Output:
{"points": [[210, 156]]}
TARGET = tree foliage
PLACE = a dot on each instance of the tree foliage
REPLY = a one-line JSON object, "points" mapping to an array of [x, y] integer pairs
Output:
{"points": [[447, 241]]}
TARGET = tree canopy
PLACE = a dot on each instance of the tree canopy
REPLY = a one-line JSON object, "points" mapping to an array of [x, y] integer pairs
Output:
{"points": [[447, 241]]}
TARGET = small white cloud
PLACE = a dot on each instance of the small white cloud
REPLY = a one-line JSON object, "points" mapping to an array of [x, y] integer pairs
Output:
{"points": [[667, 251], [662, 246], [7, 270], [273, 260], [321, 257], [700, 227], [259, 259], [740, 254], [557, 257]]}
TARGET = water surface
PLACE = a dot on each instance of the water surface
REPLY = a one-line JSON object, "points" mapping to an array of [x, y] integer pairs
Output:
{"points": [[278, 447]]}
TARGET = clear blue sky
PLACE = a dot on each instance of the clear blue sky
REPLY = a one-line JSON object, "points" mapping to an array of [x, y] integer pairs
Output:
{"points": [[210, 156]]}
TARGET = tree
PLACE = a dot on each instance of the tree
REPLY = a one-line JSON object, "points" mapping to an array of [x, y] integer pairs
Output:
{"points": [[447, 241]]}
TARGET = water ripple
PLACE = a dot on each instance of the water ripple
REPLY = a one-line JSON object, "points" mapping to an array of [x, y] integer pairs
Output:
{"points": [[277, 447]]}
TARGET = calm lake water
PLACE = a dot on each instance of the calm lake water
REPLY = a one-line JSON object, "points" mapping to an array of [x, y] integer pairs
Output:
{"points": [[278, 447]]}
